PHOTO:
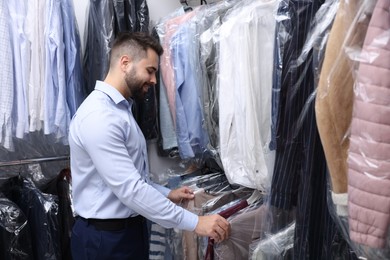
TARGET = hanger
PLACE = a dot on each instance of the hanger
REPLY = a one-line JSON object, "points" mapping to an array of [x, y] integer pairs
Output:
{"points": [[201, 178], [256, 195], [217, 187]]}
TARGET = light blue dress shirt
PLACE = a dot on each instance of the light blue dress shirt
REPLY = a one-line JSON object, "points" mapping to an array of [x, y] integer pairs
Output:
{"points": [[21, 53], [57, 115], [109, 165], [73, 73], [167, 128], [192, 137]]}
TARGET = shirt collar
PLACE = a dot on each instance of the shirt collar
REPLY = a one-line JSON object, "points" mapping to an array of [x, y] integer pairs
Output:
{"points": [[112, 92]]}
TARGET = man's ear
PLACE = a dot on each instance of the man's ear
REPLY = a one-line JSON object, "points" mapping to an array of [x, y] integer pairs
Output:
{"points": [[124, 61]]}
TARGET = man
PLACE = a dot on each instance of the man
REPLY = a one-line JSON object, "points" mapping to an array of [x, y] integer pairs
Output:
{"points": [[112, 192]]}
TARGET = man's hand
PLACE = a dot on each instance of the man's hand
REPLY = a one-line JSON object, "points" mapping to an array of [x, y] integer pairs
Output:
{"points": [[180, 194], [213, 226]]}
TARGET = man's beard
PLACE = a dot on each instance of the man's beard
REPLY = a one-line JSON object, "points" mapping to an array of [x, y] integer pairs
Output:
{"points": [[135, 85]]}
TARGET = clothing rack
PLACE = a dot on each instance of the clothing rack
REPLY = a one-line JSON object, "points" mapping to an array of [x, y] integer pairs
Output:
{"points": [[35, 160]]}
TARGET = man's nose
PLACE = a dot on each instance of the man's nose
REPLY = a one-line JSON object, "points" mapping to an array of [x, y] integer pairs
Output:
{"points": [[153, 80]]}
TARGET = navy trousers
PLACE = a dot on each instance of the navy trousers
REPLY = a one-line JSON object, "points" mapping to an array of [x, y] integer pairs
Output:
{"points": [[130, 243]]}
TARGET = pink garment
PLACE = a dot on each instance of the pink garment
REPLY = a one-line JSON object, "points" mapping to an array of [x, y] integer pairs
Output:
{"points": [[369, 154], [166, 66]]}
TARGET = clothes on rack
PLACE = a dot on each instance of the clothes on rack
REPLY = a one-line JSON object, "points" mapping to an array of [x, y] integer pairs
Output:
{"points": [[245, 58], [243, 230], [15, 237], [299, 177], [248, 83], [334, 100], [41, 211], [36, 222], [46, 70], [35, 31], [60, 186], [7, 82]]}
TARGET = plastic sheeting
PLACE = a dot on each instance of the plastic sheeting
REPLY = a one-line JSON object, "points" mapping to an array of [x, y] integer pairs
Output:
{"points": [[105, 20], [352, 101], [41, 211], [15, 237], [275, 246], [330, 71], [249, 88]]}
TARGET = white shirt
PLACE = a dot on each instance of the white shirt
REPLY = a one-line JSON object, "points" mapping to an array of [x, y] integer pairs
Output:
{"points": [[34, 27], [7, 81], [245, 88], [109, 164]]}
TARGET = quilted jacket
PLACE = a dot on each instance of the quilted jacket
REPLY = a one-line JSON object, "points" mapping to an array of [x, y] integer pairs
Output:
{"points": [[369, 152]]}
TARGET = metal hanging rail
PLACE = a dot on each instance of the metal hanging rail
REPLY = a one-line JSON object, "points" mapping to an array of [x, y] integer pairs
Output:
{"points": [[34, 160]]}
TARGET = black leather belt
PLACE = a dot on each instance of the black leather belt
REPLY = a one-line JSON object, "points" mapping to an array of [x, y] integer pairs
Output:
{"points": [[114, 224]]}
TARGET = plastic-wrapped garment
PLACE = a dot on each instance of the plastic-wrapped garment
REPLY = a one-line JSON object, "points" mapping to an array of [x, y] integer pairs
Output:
{"points": [[334, 102], [299, 177], [165, 30], [145, 114], [60, 186], [335, 91], [243, 231], [244, 92], [336, 81], [211, 197], [191, 134], [15, 237], [346, 248], [229, 210], [369, 151], [192, 107], [274, 247], [206, 24], [142, 16], [73, 67], [167, 128], [124, 16], [41, 211], [99, 38]]}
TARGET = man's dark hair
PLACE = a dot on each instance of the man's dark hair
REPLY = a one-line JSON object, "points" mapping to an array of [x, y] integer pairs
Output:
{"points": [[134, 44]]}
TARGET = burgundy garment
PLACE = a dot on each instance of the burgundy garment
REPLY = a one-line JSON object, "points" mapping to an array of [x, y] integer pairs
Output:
{"points": [[369, 154], [225, 213]]}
